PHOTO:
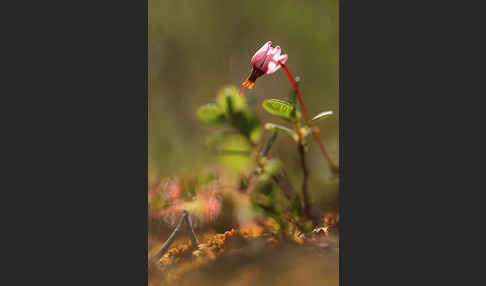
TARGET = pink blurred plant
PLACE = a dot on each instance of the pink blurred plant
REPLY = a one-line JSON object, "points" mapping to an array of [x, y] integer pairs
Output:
{"points": [[204, 208], [212, 206]]}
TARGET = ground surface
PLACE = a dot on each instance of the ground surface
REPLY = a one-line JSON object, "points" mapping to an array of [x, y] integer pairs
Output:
{"points": [[248, 258]]}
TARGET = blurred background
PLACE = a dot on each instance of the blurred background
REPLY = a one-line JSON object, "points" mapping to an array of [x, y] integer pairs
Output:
{"points": [[196, 47]]}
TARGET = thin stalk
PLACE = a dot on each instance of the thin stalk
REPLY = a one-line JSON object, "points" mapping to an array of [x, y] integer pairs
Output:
{"points": [[315, 130], [306, 114], [305, 172], [280, 179], [284, 184], [191, 233], [171, 238], [269, 144]]}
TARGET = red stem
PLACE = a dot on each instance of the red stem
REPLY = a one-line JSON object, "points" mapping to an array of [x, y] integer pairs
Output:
{"points": [[243, 88], [315, 131], [306, 115]]}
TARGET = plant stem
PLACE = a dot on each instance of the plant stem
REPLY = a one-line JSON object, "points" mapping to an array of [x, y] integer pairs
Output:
{"points": [[269, 144], [191, 233], [305, 179], [306, 114], [280, 179], [315, 130], [284, 184], [171, 238]]}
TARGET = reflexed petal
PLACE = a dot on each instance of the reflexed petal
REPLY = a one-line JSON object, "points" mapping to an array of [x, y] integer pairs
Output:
{"points": [[272, 67], [276, 54]]}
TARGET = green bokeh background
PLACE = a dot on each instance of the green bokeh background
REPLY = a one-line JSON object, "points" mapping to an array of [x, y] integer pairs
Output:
{"points": [[198, 46]]}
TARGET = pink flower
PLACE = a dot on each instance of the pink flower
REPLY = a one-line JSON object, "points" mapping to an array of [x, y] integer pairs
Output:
{"points": [[265, 61]]}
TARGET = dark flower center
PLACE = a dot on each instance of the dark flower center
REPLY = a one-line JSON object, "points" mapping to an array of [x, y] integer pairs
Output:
{"points": [[255, 73]]}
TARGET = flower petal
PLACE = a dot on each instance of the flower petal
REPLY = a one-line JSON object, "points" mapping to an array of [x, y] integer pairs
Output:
{"points": [[259, 56], [273, 64], [268, 59], [284, 58], [272, 67]]}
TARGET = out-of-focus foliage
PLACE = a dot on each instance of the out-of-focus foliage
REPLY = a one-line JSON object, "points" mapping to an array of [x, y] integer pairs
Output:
{"points": [[238, 152], [211, 114], [235, 151], [231, 110], [239, 149]]}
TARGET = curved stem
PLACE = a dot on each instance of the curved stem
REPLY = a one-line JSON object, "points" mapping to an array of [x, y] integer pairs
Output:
{"points": [[191, 232], [315, 130], [306, 115]]}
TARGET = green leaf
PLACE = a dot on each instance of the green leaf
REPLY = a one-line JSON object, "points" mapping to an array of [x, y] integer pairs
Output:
{"points": [[247, 124], [256, 133], [320, 116], [279, 108], [211, 114], [273, 166], [280, 128], [236, 163], [228, 99]]}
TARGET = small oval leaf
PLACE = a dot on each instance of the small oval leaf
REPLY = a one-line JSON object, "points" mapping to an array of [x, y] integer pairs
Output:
{"points": [[211, 114], [280, 128], [278, 107], [320, 116]]}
